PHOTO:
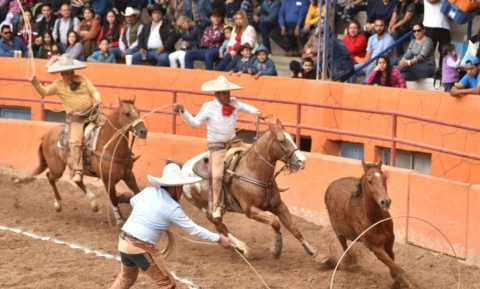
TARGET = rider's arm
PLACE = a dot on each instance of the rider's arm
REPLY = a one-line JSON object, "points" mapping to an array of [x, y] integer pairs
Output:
{"points": [[45, 90], [92, 90], [196, 121], [179, 218]]}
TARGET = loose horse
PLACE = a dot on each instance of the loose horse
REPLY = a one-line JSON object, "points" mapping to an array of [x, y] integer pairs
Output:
{"points": [[111, 159], [354, 204], [254, 189]]}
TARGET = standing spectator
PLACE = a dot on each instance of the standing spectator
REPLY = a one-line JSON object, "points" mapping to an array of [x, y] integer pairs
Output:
{"points": [[419, 61], [355, 42], [111, 29], [244, 65], [157, 40], [48, 48], [191, 36], [47, 23], [290, 19], [63, 26], [451, 63], [266, 19], [405, 12], [436, 26], [75, 48], [132, 28], [8, 43], [88, 31], [470, 83], [102, 55], [311, 21], [23, 31], [198, 11], [382, 9], [385, 74], [210, 43], [242, 33], [262, 65]]}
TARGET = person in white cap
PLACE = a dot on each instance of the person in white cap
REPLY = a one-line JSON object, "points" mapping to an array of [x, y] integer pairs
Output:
{"points": [[80, 101], [128, 42], [221, 117], [154, 210]]}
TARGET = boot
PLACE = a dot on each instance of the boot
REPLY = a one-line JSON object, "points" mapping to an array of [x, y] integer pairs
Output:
{"points": [[160, 280], [76, 163], [126, 278]]}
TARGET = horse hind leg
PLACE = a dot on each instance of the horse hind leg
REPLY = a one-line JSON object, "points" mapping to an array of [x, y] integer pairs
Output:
{"points": [[269, 219], [90, 195]]}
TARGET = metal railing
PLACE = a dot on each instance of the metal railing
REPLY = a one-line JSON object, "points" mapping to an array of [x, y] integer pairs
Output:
{"points": [[297, 125]]}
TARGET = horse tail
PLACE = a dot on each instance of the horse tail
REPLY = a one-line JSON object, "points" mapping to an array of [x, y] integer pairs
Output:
{"points": [[43, 162]]}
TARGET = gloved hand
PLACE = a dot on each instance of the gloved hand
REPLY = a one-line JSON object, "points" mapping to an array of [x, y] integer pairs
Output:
{"points": [[178, 108]]}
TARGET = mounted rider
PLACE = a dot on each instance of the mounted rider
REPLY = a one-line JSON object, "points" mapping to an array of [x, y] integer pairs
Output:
{"points": [[81, 101], [221, 117]]}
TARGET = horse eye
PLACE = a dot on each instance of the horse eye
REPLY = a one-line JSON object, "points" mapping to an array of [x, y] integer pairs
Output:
{"points": [[127, 114]]}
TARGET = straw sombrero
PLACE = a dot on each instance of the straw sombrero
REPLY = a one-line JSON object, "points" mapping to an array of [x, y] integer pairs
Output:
{"points": [[65, 63], [220, 84], [172, 176], [130, 11]]}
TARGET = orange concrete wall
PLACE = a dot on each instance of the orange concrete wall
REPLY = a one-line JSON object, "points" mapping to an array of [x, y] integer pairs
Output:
{"points": [[451, 206]]}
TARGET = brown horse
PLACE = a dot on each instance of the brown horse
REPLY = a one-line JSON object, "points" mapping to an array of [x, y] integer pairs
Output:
{"points": [[354, 204], [254, 189], [111, 159]]}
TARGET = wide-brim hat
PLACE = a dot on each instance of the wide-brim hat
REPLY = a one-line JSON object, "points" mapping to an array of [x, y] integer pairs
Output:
{"points": [[243, 46], [65, 63], [130, 11], [157, 7], [220, 84], [172, 176]]}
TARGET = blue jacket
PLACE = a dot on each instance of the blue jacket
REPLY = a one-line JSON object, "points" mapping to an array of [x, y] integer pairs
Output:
{"points": [[342, 64], [100, 6], [7, 49], [269, 12], [193, 37], [293, 12], [204, 8], [98, 56], [263, 68], [243, 66]]}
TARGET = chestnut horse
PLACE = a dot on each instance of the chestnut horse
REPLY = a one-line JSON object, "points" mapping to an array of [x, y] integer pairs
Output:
{"points": [[354, 204], [254, 188], [112, 153]]}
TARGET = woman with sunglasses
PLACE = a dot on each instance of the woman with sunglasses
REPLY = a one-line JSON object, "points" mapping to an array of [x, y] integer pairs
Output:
{"points": [[419, 61]]}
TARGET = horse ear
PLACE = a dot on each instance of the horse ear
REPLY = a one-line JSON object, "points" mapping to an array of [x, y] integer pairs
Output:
{"points": [[119, 100], [379, 163], [364, 165], [279, 124], [133, 101]]}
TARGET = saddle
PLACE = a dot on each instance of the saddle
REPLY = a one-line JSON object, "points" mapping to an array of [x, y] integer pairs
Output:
{"points": [[232, 157]]}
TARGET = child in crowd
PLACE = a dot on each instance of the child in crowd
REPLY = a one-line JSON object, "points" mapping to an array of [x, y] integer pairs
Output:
{"points": [[227, 30], [295, 69], [451, 62], [304, 70], [262, 65], [247, 60], [102, 55]]}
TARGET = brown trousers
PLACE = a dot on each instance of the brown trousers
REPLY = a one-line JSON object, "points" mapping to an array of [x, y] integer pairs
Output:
{"points": [[75, 142]]}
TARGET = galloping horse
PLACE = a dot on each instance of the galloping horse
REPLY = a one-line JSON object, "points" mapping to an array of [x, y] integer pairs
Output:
{"points": [[354, 204], [111, 159], [254, 189]]}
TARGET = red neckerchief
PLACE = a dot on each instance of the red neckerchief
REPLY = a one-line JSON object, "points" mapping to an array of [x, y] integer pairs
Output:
{"points": [[227, 109]]}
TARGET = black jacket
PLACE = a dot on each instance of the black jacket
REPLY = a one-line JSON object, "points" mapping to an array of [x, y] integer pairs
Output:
{"points": [[167, 34]]}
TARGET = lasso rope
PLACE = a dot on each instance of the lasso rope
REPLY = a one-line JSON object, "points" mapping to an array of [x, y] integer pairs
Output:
{"points": [[236, 250], [381, 221], [29, 30]]}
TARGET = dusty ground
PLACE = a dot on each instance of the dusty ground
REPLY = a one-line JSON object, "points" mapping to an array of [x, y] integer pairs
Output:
{"points": [[27, 262]]}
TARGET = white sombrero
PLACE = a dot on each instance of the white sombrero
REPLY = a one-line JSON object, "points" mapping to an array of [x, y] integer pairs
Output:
{"points": [[220, 84], [130, 11], [172, 176], [65, 63]]}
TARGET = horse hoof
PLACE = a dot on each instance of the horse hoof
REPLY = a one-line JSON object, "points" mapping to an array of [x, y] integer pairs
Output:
{"points": [[94, 208], [58, 206], [276, 254]]}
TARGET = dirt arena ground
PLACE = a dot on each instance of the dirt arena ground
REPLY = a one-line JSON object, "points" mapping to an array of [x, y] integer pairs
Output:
{"points": [[33, 262]]}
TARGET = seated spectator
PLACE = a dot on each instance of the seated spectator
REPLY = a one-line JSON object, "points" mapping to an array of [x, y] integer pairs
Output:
{"points": [[227, 30], [24, 30], [191, 36], [49, 47], [9, 43], [265, 19], [102, 55], [473, 44], [210, 43], [242, 33], [470, 83], [295, 69], [400, 24], [290, 20], [382, 9], [385, 74], [63, 25], [198, 11], [310, 50], [157, 39], [46, 23], [132, 28], [111, 29], [74, 47], [88, 31], [311, 21], [355, 42], [451, 63], [175, 9], [262, 65], [306, 69], [244, 65], [419, 61], [352, 8]]}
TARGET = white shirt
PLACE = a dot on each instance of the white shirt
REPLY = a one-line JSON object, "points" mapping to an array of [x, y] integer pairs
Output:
{"points": [[154, 211], [221, 128], [154, 40], [435, 18], [128, 45], [64, 26]]}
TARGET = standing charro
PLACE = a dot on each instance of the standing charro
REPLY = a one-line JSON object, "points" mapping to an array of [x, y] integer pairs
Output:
{"points": [[221, 117], [80, 101]]}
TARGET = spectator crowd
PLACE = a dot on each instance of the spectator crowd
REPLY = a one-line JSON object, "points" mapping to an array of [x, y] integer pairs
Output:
{"points": [[224, 36]]}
